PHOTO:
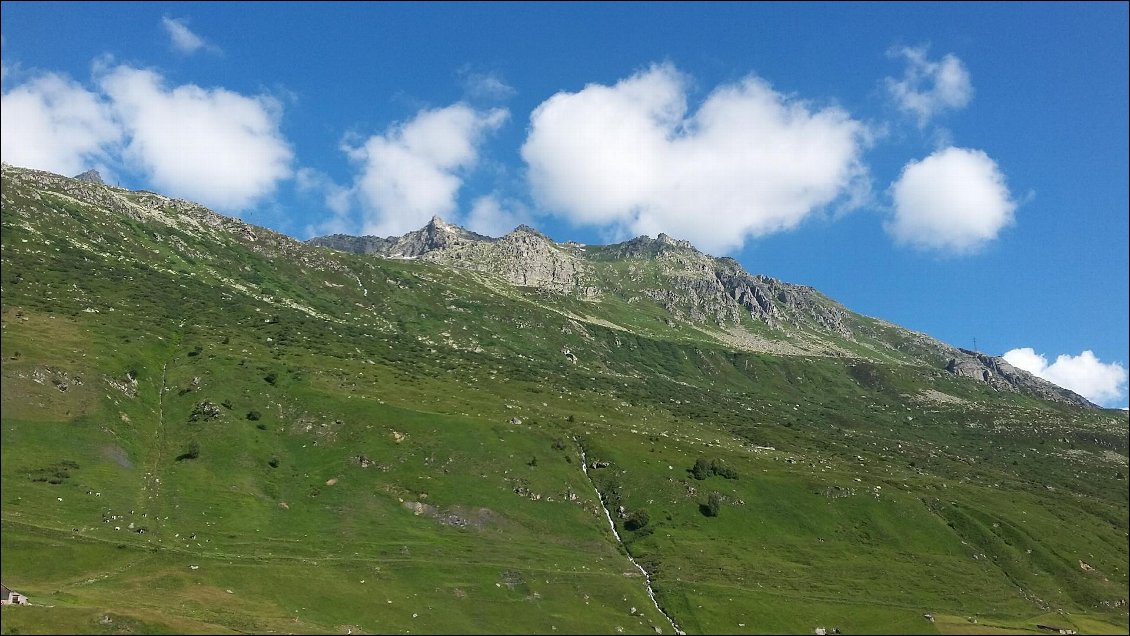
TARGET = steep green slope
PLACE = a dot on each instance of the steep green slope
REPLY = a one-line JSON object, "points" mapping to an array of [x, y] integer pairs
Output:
{"points": [[210, 427]]}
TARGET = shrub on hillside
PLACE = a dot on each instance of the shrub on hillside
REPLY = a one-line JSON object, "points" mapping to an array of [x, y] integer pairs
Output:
{"points": [[637, 520], [701, 469], [718, 467], [192, 452], [712, 506]]}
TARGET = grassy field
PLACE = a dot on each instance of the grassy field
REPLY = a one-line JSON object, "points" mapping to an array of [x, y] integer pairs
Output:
{"points": [[205, 432]]}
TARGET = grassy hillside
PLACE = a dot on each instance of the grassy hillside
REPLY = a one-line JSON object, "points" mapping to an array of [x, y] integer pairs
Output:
{"points": [[208, 427]]}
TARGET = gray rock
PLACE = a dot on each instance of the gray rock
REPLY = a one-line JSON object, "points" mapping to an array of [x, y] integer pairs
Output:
{"points": [[999, 374], [692, 286], [90, 176], [524, 257]]}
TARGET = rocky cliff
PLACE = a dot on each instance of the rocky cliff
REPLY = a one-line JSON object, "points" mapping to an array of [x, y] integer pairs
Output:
{"points": [[714, 294], [998, 373]]}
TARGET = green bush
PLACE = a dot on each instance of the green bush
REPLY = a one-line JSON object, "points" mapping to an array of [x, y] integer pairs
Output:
{"points": [[718, 467], [637, 520], [712, 506], [192, 452], [701, 469]]}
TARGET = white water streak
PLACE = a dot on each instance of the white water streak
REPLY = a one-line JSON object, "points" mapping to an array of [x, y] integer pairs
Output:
{"points": [[612, 525]]}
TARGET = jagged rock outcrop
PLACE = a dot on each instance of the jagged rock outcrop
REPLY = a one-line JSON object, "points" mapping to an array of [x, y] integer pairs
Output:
{"points": [[529, 258], [436, 235], [523, 257], [90, 176], [700, 288], [715, 294], [355, 244], [692, 286], [998, 373]]}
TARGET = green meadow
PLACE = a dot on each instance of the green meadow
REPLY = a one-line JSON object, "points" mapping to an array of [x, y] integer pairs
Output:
{"points": [[208, 433]]}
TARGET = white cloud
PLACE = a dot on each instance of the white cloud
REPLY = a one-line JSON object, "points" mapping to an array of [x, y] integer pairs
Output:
{"points": [[487, 86], [749, 162], [1100, 382], [183, 40], [214, 146], [489, 216], [52, 123], [414, 170], [337, 198], [955, 200], [928, 88]]}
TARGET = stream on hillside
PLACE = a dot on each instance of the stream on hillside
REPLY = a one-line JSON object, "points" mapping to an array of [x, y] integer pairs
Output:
{"points": [[616, 535]]}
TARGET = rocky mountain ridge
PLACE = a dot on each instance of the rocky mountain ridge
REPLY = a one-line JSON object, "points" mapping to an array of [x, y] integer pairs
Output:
{"points": [[715, 296], [693, 287], [452, 436]]}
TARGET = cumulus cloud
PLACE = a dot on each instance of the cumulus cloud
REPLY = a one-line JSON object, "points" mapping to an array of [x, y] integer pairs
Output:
{"points": [[338, 199], [928, 88], [749, 162], [52, 123], [215, 146], [490, 216], [955, 200], [183, 40], [1102, 383], [414, 170]]}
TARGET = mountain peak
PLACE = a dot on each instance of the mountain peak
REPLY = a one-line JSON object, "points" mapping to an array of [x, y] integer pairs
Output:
{"points": [[664, 239], [90, 176], [526, 229]]}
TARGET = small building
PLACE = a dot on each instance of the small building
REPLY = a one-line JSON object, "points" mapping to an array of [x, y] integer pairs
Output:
{"points": [[9, 597]]}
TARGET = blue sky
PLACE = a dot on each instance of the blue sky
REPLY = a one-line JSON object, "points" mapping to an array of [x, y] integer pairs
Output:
{"points": [[960, 169]]}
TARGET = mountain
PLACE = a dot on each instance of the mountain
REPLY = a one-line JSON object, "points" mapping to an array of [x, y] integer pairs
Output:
{"points": [[90, 176], [715, 296], [208, 426]]}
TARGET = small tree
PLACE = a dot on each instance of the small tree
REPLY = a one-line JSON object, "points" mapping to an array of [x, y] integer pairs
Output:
{"points": [[720, 468], [701, 469], [637, 520], [192, 452], [712, 506]]}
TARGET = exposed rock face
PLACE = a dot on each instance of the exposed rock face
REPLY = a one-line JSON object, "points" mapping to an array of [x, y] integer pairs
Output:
{"points": [[694, 287], [701, 288], [90, 176], [354, 244], [970, 369], [744, 311], [523, 257], [436, 235], [998, 373], [527, 257]]}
